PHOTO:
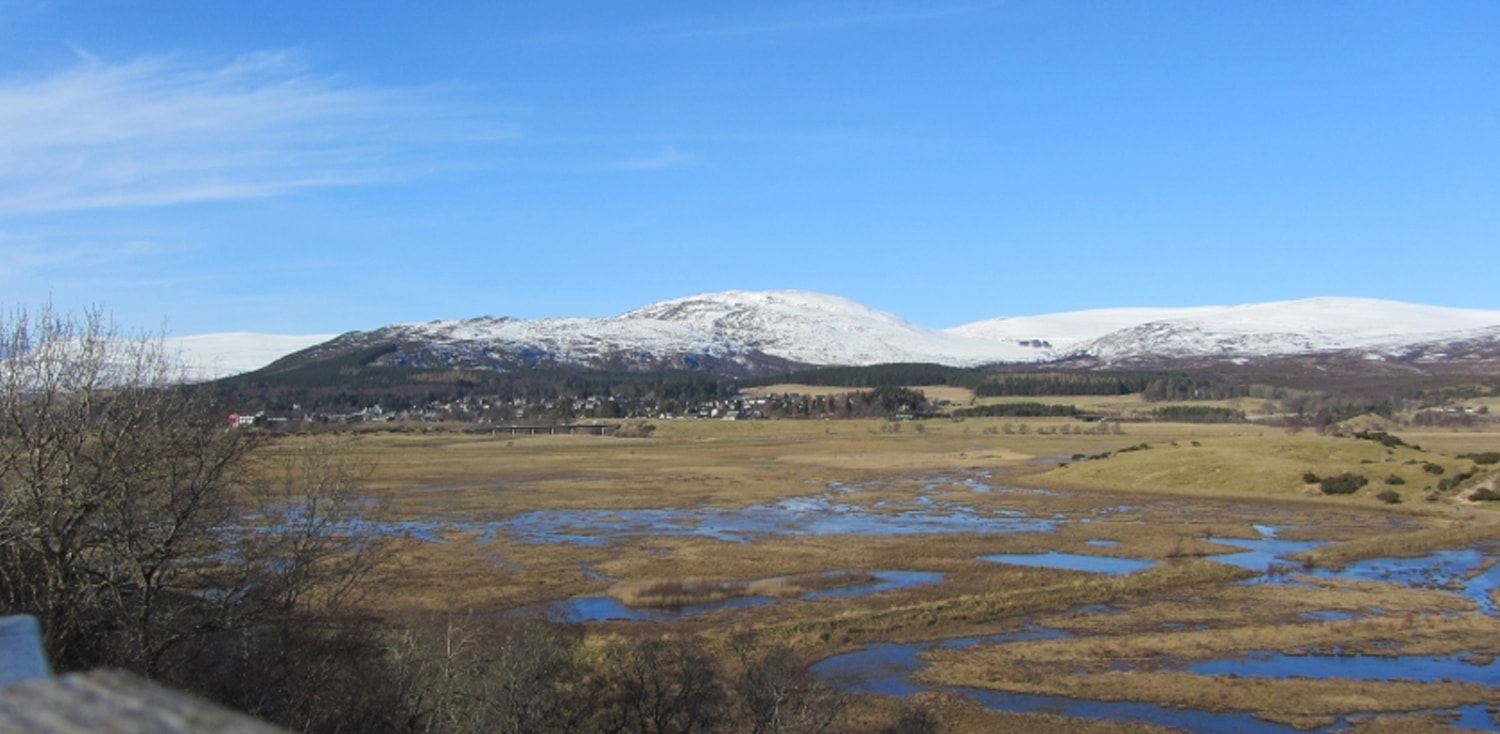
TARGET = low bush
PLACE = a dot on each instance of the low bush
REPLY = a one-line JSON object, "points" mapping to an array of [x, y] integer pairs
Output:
{"points": [[1382, 438], [1345, 483], [1310, 478], [1018, 410], [1453, 481], [1389, 496], [1485, 494], [1395, 479], [1432, 468], [1198, 414]]}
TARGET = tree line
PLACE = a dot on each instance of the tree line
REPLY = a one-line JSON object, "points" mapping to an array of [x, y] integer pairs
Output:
{"points": [[1018, 410], [916, 373]]}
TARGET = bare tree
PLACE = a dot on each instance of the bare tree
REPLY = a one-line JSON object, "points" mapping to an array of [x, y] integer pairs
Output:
{"points": [[661, 685], [288, 589], [138, 527], [438, 671], [112, 479], [508, 674], [780, 694]]}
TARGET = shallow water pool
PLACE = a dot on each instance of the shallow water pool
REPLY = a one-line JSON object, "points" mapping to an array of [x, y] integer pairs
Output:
{"points": [[1072, 562]]}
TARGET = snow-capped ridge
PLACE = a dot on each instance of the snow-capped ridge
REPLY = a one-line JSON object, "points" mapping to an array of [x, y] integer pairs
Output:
{"points": [[748, 332], [1289, 327], [211, 356], [820, 329]]}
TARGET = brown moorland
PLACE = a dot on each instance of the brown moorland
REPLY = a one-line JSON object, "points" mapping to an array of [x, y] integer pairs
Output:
{"points": [[1159, 492]]}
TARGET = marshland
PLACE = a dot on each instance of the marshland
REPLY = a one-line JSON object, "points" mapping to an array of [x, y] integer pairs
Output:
{"points": [[1107, 569], [968, 575]]}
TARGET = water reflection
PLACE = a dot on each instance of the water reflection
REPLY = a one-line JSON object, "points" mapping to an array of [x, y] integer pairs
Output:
{"points": [[1357, 667], [1072, 561], [1471, 572], [798, 516], [888, 669], [1459, 571], [885, 581], [1263, 554], [791, 516], [608, 608]]}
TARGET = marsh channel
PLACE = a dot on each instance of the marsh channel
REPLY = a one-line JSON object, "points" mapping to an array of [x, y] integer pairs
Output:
{"points": [[1444, 588]]}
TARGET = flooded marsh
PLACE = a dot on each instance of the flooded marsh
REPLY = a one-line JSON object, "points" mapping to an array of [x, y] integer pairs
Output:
{"points": [[975, 573]]}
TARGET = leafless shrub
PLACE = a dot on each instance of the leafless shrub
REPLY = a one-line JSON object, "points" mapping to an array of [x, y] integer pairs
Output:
{"points": [[660, 685], [509, 674], [779, 694], [122, 500]]}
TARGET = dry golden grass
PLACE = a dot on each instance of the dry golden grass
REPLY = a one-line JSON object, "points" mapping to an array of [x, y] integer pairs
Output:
{"points": [[732, 464], [1454, 440], [960, 715], [1422, 634], [1259, 466], [1133, 407], [1013, 593], [681, 592], [1414, 724], [1129, 407], [1164, 503], [677, 593], [1405, 545], [1299, 702]]}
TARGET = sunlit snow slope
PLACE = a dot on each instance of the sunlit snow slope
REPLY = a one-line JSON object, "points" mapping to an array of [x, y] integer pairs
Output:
{"points": [[760, 330]]}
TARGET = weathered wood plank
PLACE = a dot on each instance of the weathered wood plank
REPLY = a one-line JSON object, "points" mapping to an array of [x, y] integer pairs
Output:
{"points": [[115, 702]]}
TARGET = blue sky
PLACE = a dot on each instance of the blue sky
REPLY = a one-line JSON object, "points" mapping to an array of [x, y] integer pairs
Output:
{"points": [[205, 166]]}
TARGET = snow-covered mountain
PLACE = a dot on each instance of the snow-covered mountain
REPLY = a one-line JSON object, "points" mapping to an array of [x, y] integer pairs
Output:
{"points": [[814, 328], [741, 332], [1253, 330], [504, 343], [211, 356], [1068, 331]]}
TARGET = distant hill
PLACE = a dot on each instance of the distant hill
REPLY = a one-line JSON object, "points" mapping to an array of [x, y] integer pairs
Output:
{"points": [[211, 356], [755, 333]]}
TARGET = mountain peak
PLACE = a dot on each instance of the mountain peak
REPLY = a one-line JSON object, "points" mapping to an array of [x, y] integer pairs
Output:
{"points": [[749, 331], [691, 308], [815, 328]]}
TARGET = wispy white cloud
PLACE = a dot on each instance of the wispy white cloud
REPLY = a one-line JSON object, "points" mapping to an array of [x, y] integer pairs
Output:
{"points": [[668, 157], [813, 20], [24, 257], [158, 131]]}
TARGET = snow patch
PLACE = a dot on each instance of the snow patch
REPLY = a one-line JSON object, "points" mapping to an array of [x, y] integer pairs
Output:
{"points": [[819, 329]]}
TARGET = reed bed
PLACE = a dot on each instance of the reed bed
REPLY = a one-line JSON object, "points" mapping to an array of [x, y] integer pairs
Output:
{"points": [[1000, 608], [1165, 503], [679, 593], [1302, 702], [1401, 545]]}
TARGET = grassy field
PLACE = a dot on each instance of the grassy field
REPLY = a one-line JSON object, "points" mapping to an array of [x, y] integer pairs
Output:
{"points": [[1156, 491], [1126, 406]]}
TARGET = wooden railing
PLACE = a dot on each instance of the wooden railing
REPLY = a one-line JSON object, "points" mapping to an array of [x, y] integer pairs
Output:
{"points": [[34, 701]]}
